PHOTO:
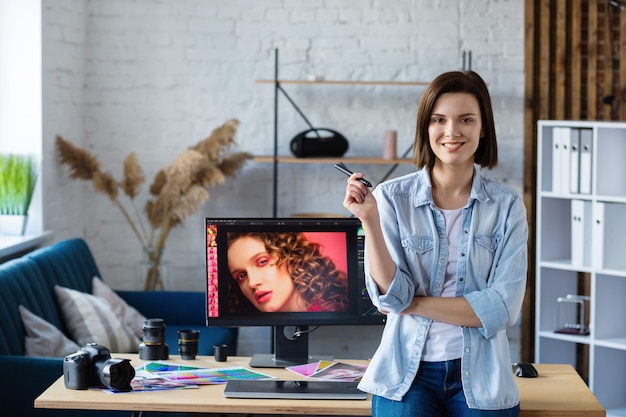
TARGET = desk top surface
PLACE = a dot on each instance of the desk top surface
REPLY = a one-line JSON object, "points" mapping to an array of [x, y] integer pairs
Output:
{"points": [[558, 391]]}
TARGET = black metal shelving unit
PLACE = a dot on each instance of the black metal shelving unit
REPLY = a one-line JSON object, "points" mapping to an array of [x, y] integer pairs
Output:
{"points": [[278, 90]]}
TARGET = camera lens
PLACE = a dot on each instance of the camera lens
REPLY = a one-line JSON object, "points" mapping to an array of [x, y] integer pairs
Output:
{"points": [[116, 374], [154, 332], [188, 343], [153, 346]]}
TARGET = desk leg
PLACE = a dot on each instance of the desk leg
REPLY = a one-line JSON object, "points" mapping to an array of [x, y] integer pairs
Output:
{"points": [[137, 414]]}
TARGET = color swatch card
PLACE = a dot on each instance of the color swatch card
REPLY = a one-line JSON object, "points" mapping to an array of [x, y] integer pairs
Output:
{"points": [[190, 375], [328, 370]]}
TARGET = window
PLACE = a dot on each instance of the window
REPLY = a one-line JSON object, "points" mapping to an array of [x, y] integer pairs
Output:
{"points": [[21, 88]]}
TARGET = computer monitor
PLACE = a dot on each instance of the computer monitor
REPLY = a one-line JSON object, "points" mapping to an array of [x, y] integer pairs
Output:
{"points": [[284, 272]]}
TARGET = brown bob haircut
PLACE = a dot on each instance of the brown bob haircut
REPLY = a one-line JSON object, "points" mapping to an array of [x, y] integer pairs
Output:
{"points": [[456, 82]]}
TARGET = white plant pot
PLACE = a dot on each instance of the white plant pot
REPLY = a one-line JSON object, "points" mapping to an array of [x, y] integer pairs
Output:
{"points": [[13, 224]]}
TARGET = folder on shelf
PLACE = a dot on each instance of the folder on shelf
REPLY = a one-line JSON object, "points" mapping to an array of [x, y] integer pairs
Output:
{"points": [[581, 232], [560, 159], [565, 160], [597, 248], [556, 159], [574, 161], [586, 156]]}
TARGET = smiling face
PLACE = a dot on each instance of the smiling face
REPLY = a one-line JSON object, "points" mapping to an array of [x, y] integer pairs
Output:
{"points": [[455, 129], [268, 286]]}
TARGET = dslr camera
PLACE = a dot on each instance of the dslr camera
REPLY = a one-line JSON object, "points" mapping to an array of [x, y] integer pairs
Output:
{"points": [[92, 366]]}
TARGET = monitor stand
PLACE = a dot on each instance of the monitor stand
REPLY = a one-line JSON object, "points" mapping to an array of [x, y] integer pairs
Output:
{"points": [[290, 351]]}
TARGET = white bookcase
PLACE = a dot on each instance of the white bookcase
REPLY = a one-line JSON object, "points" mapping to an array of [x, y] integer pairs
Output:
{"points": [[581, 229]]}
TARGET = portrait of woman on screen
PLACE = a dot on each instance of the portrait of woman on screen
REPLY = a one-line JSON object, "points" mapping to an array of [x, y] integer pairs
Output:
{"points": [[283, 272]]}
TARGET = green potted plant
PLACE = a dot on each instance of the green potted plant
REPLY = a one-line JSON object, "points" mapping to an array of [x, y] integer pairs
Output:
{"points": [[18, 176]]}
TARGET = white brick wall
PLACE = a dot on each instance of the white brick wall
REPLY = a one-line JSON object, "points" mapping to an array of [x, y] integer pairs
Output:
{"points": [[156, 76], [64, 37]]}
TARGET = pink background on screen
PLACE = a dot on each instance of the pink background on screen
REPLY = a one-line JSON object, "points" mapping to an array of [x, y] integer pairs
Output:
{"points": [[333, 245]]}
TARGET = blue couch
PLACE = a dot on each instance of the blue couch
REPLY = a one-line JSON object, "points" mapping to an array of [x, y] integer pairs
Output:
{"points": [[30, 281]]}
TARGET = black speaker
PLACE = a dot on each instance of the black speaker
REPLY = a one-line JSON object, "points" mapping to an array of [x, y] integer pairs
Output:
{"points": [[319, 142]]}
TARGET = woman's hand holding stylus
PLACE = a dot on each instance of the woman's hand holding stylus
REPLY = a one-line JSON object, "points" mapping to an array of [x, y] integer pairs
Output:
{"points": [[359, 200]]}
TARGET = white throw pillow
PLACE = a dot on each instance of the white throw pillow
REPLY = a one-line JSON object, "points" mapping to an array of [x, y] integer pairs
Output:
{"points": [[43, 339], [91, 319], [132, 318]]}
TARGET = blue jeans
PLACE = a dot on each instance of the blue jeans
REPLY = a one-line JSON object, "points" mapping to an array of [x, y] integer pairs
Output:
{"points": [[436, 392]]}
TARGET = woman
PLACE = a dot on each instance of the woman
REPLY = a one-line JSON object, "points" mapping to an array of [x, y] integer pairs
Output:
{"points": [[283, 272], [446, 260]]}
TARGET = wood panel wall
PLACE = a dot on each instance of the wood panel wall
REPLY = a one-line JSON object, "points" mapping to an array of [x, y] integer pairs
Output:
{"points": [[575, 69]]}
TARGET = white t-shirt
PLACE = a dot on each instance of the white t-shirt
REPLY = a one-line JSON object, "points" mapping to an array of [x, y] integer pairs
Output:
{"points": [[445, 341]]}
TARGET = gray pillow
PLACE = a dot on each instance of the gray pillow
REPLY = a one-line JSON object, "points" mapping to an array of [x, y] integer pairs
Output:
{"points": [[43, 339], [132, 318], [90, 319]]}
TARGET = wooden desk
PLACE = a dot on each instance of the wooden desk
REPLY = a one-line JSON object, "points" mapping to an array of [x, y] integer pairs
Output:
{"points": [[558, 391]]}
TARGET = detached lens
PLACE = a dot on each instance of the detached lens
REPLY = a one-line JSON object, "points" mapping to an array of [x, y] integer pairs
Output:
{"points": [[154, 332], [153, 346]]}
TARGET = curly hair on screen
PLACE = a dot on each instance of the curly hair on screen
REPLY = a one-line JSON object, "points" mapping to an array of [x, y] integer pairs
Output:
{"points": [[315, 276]]}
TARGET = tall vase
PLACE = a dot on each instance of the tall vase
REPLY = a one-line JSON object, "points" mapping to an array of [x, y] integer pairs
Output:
{"points": [[152, 272]]}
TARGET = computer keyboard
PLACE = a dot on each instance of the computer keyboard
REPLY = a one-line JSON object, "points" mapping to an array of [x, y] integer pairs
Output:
{"points": [[304, 390]]}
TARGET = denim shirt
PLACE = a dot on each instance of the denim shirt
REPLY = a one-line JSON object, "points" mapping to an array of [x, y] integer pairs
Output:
{"points": [[492, 266]]}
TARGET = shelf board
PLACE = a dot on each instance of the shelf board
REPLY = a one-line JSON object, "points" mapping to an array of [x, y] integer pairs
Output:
{"points": [[550, 194], [564, 265], [613, 343], [621, 272], [346, 82], [611, 199], [584, 340], [585, 197], [352, 160]]}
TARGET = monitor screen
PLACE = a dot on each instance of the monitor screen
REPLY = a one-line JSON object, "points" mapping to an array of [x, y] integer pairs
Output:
{"points": [[286, 272]]}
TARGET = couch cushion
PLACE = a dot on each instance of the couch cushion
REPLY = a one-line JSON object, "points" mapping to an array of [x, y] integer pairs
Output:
{"points": [[22, 282], [69, 263], [44, 339], [90, 319]]}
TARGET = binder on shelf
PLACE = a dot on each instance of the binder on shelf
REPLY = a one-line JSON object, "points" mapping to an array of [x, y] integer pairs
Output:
{"points": [[560, 159], [574, 161], [597, 238], [586, 156], [556, 159], [581, 233]]}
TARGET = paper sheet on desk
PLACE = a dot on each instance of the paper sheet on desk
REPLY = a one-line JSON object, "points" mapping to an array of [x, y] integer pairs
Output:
{"points": [[330, 371], [183, 374], [145, 381]]}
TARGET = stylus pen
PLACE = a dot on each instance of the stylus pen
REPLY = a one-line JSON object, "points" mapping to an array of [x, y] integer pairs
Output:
{"points": [[346, 171]]}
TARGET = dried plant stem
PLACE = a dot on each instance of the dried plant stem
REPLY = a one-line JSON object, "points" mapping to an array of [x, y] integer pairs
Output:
{"points": [[130, 222], [165, 230], [146, 236], [177, 190], [154, 280]]}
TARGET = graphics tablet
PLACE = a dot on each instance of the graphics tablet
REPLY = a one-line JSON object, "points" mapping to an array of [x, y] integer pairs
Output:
{"points": [[303, 390]]}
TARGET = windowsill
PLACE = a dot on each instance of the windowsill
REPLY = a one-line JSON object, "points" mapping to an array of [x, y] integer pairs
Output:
{"points": [[11, 245]]}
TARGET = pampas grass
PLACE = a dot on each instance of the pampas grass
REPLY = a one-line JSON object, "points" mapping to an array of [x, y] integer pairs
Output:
{"points": [[177, 190]]}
